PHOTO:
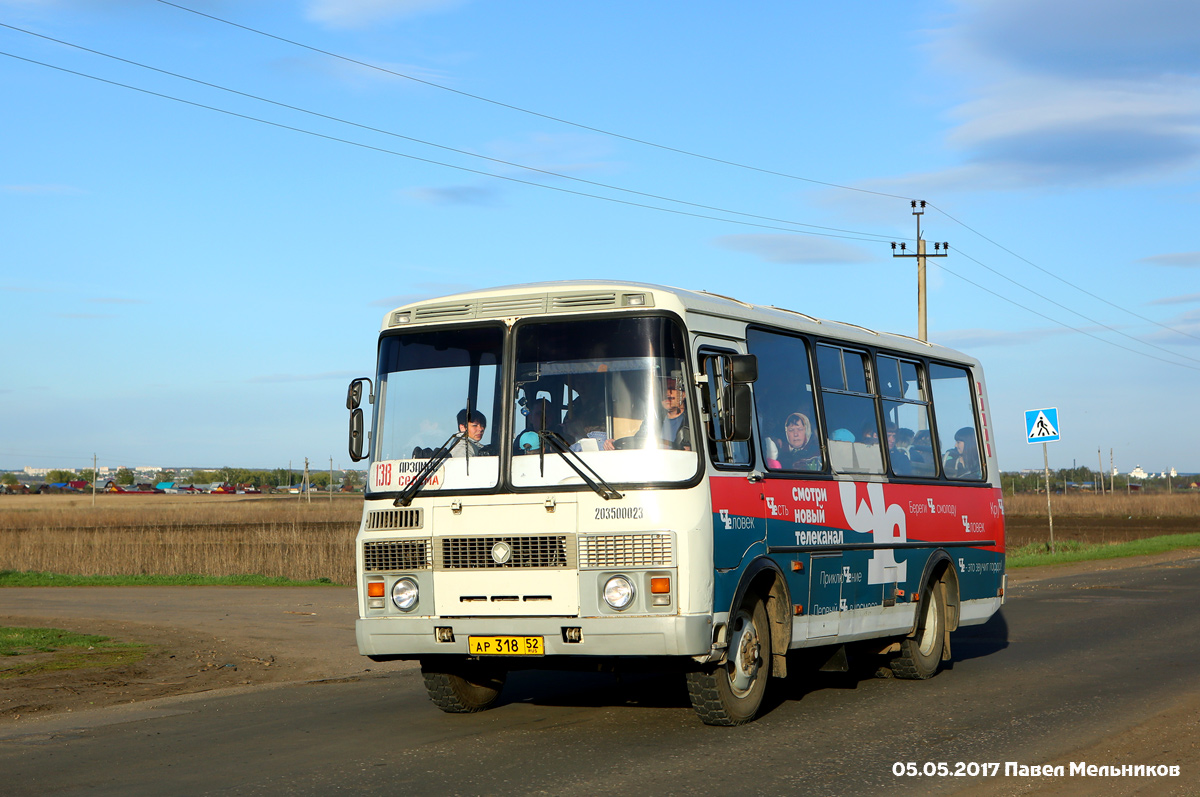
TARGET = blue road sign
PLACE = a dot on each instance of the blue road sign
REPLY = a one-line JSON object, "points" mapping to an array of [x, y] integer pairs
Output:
{"points": [[1041, 426]]}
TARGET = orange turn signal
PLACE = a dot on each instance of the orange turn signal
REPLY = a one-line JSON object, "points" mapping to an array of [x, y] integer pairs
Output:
{"points": [[660, 585], [375, 589]]}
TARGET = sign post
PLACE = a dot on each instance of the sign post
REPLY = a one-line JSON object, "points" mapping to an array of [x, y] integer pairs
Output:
{"points": [[1041, 426]]}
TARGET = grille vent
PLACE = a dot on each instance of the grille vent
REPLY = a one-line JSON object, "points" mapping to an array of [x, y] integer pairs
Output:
{"points": [[585, 301], [444, 312], [475, 553], [625, 550], [512, 305], [395, 519], [389, 556]]}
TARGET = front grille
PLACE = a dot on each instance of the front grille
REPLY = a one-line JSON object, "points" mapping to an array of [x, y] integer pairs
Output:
{"points": [[395, 519], [625, 550], [391, 556], [475, 553]]}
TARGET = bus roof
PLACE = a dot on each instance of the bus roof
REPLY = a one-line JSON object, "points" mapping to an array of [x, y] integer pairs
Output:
{"points": [[576, 296]]}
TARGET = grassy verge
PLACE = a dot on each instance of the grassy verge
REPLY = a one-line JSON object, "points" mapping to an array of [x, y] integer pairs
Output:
{"points": [[14, 578], [37, 650], [1071, 551]]}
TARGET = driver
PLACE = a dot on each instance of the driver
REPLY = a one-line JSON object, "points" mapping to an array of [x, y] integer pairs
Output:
{"points": [[474, 424]]}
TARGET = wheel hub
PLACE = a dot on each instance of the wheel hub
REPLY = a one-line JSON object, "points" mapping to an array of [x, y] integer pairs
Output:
{"points": [[747, 649]]}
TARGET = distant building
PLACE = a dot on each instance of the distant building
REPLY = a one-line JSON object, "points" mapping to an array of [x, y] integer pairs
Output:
{"points": [[1138, 473]]}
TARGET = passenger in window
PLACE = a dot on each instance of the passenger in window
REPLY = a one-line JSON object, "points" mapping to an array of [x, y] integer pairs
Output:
{"points": [[798, 450], [904, 440], [962, 461], [667, 428], [539, 418], [901, 464], [474, 424], [870, 435], [587, 429]]}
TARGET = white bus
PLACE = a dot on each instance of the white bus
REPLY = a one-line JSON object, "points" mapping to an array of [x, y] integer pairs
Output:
{"points": [[605, 474]]}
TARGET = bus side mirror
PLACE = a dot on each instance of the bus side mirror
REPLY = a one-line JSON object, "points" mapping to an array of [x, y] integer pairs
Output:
{"points": [[738, 421], [741, 369], [353, 403], [729, 379], [356, 435]]}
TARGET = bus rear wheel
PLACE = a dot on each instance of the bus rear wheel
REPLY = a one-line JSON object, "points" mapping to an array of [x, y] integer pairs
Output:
{"points": [[462, 687], [921, 653], [731, 693]]}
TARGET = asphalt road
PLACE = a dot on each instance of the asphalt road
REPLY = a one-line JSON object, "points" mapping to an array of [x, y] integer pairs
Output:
{"points": [[1068, 662]]}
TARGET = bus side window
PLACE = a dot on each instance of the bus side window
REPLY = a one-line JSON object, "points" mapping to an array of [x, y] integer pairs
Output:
{"points": [[906, 414], [851, 426], [785, 403], [958, 433], [727, 453]]}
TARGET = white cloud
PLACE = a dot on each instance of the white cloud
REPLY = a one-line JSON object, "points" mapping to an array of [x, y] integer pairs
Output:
{"points": [[425, 290], [305, 377], [361, 13], [478, 195], [1189, 298], [979, 338], [41, 189], [795, 249], [1067, 92], [1178, 259]]}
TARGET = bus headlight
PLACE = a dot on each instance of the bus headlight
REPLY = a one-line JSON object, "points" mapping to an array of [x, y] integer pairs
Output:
{"points": [[618, 592], [404, 594]]}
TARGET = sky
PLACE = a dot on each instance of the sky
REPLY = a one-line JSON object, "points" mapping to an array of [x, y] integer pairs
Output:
{"points": [[207, 208]]}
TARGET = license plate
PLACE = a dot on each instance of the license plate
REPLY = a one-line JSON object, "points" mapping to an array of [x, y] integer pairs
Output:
{"points": [[505, 646]]}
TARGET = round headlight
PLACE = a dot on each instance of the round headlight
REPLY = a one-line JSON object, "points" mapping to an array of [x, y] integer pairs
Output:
{"points": [[404, 594], [618, 592]]}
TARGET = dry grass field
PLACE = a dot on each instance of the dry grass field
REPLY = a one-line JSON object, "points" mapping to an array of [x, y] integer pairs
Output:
{"points": [[180, 534], [1180, 504], [214, 535]]}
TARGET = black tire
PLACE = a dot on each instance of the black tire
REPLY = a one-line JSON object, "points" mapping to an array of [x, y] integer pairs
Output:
{"points": [[462, 687], [731, 693], [921, 653]]}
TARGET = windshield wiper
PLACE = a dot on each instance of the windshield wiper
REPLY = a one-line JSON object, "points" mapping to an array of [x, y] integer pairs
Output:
{"points": [[560, 447], [441, 455]]}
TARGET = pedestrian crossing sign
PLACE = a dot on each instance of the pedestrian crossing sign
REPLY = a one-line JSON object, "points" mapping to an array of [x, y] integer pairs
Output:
{"points": [[1041, 426]]}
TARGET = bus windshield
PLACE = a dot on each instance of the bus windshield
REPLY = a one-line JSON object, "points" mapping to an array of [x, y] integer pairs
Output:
{"points": [[438, 389], [612, 391]]}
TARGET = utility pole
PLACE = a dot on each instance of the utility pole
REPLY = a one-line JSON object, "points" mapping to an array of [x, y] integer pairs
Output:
{"points": [[940, 249], [305, 486], [95, 475], [331, 480], [1100, 462]]}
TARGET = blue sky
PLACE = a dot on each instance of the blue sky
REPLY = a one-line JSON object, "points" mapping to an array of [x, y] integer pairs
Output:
{"points": [[185, 286]]}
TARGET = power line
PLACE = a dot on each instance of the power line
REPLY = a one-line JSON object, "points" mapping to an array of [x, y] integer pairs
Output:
{"points": [[549, 187], [1060, 279], [1076, 312], [435, 162], [866, 235], [665, 147], [953, 273], [519, 109]]}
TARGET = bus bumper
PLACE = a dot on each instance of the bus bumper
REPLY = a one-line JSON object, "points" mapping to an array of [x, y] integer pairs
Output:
{"points": [[410, 637]]}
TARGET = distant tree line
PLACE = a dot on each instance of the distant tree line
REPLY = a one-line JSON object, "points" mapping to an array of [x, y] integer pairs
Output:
{"points": [[1071, 479], [277, 477]]}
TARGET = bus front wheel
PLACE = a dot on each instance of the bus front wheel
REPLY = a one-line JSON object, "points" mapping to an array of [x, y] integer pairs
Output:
{"points": [[921, 653], [731, 693], [462, 687]]}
